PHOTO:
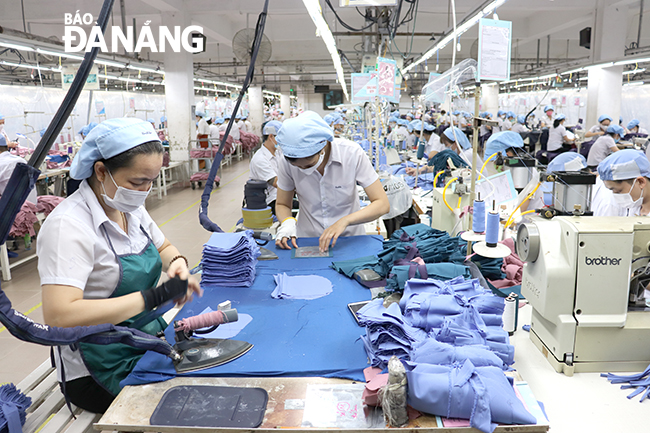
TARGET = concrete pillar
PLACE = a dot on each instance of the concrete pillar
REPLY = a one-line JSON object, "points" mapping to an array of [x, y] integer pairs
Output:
{"points": [[179, 91], [285, 105], [490, 98], [604, 85], [256, 107]]}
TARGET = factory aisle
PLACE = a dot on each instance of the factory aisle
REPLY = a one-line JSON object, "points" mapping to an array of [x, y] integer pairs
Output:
{"points": [[177, 216]]}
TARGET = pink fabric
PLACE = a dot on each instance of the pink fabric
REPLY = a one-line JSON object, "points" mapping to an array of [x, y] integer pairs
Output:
{"points": [[21, 151], [229, 147], [249, 141], [374, 382], [25, 220], [165, 159], [202, 176], [512, 266], [47, 203]]}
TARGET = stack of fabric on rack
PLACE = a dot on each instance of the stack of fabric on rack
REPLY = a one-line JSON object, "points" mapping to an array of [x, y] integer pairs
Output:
{"points": [[249, 141], [229, 259]]}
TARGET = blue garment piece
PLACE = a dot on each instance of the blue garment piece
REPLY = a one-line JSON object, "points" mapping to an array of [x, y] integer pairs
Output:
{"points": [[301, 287], [13, 408], [439, 161], [431, 351], [484, 395], [436, 271], [401, 168], [229, 259], [640, 382], [425, 181], [349, 267]]}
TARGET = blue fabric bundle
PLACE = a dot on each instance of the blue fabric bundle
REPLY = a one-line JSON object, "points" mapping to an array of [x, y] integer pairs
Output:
{"points": [[639, 381], [437, 271], [387, 333], [439, 160], [13, 408], [425, 181], [432, 351], [349, 267], [229, 259], [401, 168], [484, 395]]}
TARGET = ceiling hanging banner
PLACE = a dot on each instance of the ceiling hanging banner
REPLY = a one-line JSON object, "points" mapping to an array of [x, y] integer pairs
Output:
{"points": [[386, 79], [69, 72], [494, 47], [364, 87]]}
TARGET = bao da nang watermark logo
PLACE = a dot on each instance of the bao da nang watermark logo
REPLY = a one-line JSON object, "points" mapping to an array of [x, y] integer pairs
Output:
{"points": [[76, 39]]}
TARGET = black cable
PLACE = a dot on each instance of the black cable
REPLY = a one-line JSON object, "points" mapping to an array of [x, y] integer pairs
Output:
{"points": [[343, 23]]}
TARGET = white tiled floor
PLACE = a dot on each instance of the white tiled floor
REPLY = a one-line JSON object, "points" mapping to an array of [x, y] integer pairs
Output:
{"points": [[176, 214]]}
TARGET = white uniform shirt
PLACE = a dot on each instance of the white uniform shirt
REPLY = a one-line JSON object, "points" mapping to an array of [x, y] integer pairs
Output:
{"points": [[434, 144], [556, 138], [264, 166], [518, 127], [203, 128], [215, 134], [596, 128], [234, 131], [600, 150], [242, 126], [507, 125], [548, 121], [7, 164], [483, 131], [249, 126], [326, 199], [498, 127], [73, 250], [602, 201], [467, 156]]}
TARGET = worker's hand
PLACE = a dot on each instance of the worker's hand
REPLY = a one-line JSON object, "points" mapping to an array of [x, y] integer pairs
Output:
{"points": [[410, 171], [286, 231], [178, 268], [331, 234]]}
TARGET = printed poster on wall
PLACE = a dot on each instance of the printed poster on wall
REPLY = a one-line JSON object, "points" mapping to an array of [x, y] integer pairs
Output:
{"points": [[364, 87], [494, 46], [69, 72], [386, 72], [563, 100], [100, 108], [576, 102]]}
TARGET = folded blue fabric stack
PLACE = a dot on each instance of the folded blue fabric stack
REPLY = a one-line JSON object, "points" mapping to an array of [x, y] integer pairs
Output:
{"points": [[301, 286], [425, 181], [229, 259]]}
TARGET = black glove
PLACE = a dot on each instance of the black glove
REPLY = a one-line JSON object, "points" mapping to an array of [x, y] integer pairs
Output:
{"points": [[172, 289]]}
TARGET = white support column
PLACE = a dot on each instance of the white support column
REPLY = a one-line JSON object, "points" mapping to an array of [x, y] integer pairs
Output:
{"points": [[179, 91], [604, 85], [285, 104], [490, 98], [256, 107]]}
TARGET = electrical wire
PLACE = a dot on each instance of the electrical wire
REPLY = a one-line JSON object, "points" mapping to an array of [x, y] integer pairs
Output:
{"points": [[343, 23], [488, 160], [522, 202], [444, 190]]}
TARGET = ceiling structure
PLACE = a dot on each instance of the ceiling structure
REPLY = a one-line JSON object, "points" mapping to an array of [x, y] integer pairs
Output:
{"points": [[545, 37]]}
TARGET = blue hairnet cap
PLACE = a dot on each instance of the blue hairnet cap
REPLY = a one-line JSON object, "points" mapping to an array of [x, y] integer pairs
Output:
{"points": [[500, 112], [456, 113], [416, 124], [429, 127], [510, 114], [226, 116], [339, 121], [110, 138], [409, 127], [623, 165], [280, 111], [615, 129], [501, 141], [151, 120], [521, 119], [560, 117], [304, 135], [328, 118], [272, 127], [468, 114], [460, 137], [604, 117], [208, 118], [218, 120], [163, 119], [633, 123], [548, 107], [199, 113], [488, 115], [83, 131], [567, 161], [238, 116], [402, 122]]}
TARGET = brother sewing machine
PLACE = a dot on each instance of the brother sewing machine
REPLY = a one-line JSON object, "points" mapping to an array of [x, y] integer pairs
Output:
{"points": [[585, 278]]}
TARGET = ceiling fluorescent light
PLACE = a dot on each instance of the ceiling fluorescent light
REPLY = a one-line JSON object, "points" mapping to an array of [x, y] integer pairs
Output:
{"points": [[144, 68], [323, 30], [58, 54], [635, 71], [15, 46], [110, 63], [28, 66]]}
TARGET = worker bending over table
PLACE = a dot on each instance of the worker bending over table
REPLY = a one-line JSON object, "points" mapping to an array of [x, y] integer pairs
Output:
{"points": [[100, 256], [324, 175]]}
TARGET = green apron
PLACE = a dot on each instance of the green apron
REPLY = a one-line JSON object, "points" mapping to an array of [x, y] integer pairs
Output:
{"points": [[109, 364]]}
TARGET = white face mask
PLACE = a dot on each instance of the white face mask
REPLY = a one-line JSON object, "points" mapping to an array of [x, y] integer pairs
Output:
{"points": [[626, 201], [313, 168], [603, 127], [125, 200]]}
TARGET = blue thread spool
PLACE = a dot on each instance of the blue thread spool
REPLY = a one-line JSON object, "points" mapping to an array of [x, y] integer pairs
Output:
{"points": [[478, 223], [420, 153], [492, 229]]}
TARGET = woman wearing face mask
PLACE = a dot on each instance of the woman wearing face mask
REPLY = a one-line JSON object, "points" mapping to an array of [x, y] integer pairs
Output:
{"points": [[456, 140], [605, 145], [100, 256], [264, 165], [603, 123], [324, 174], [627, 175]]}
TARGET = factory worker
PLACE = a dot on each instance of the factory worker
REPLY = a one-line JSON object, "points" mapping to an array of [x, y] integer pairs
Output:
{"points": [[455, 117], [634, 128], [152, 121], [280, 115], [432, 147], [499, 119], [485, 130], [202, 129], [604, 145], [409, 117], [338, 126], [627, 175], [163, 121], [456, 140], [100, 256], [520, 126], [248, 124], [412, 139], [324, 175], [443, 119], [241, 124], [466, 120], [264, 165], [603, 123], [510, 120], [504, 143], [400, 133], [547, 119], [234, 131], [10, 143], [7, 164], [215, 133], [558, 136]]}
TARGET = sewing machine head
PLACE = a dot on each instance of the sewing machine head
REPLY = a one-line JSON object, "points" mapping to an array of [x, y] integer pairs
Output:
{"points": [[577, 278]]}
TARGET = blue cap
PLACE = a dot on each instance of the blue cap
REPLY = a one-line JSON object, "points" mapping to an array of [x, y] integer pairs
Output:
{"points": [[199, 113], [238, 116], [151, 120], [43, 131], [633, 123], [340, 121], [416, 124], [3, 140], [208, 118], [501, 141], [226, 116], [456, 113], [272, 127], [548, 107], [280, 111], [615, 129], [218, 120], [567, 161], [560, 117], [402, 122], [460, 137], [487, 115], [108, 139], [409, 127], [500, 113], [467, 114], [604, 117], [304, 135], [83, 131], [623, 165], [163, 119], [510, 114], [521, 119], [429, 127]]}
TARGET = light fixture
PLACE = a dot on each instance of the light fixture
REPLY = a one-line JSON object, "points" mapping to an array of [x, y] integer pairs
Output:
{"points": [[58, 54], [323, 30], [109, 63], [143, 68], [634, 71], [15, 46], [634, 83], [28, 66], [462, 28]]}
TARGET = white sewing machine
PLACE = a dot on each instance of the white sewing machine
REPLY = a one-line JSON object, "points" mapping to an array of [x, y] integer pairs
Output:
{"points": [[577, 279]]}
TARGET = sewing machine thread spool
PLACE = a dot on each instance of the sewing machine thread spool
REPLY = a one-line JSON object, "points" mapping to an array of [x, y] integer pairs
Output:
{"points": [[478, 222], [510, 314], [492, 229]]}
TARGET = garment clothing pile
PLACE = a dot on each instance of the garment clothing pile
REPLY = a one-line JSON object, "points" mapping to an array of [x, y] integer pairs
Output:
{"points": [[229, 259], [301, 286]]}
